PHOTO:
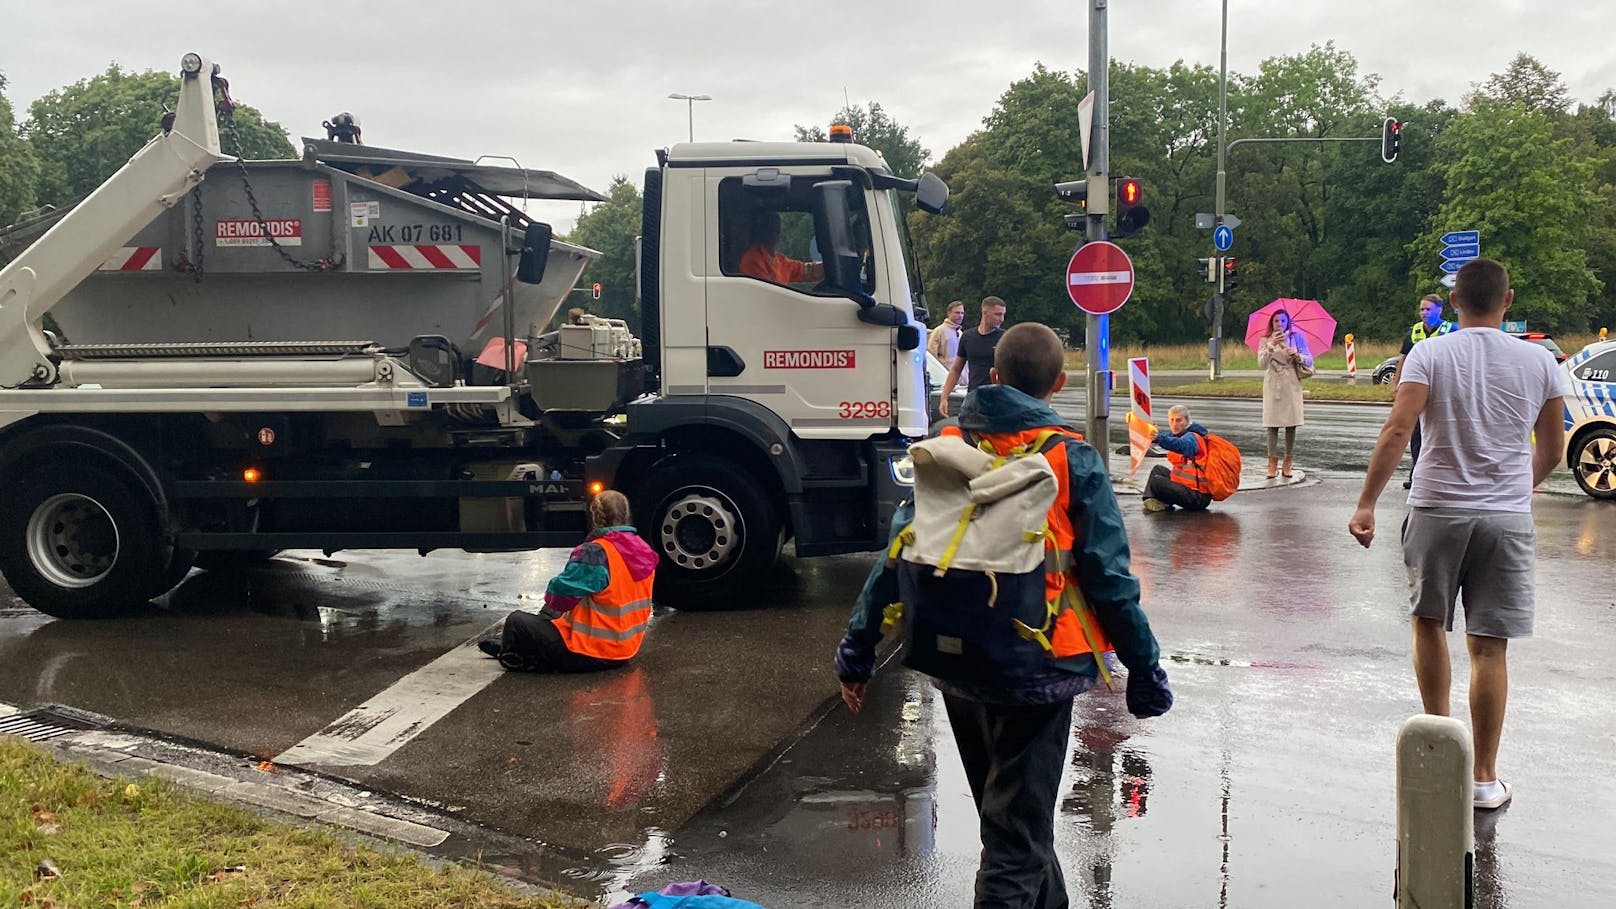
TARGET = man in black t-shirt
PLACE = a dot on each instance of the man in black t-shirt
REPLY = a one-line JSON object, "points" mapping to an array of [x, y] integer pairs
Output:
{"points": [[976, 346]]}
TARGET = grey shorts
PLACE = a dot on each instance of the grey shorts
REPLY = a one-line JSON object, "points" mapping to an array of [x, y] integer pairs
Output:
{"points": [[1488, 556]]}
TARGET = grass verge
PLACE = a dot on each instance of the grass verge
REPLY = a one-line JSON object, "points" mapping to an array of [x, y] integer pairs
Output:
{"points": [[145, 843], [1252, 388]]}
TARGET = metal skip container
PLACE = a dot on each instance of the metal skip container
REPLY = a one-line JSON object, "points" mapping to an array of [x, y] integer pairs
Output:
{"points": [[351, 241]]}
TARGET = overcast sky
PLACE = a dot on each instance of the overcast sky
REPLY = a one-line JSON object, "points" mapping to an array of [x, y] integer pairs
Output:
{"points": [[581, 88]]}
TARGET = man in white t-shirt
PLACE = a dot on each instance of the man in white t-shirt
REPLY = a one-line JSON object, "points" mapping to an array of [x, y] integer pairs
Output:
{"points": [[1479, 395]]}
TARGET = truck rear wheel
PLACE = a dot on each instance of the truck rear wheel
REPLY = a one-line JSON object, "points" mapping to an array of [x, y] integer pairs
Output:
{"points": [[81, 542], [714, 527]]}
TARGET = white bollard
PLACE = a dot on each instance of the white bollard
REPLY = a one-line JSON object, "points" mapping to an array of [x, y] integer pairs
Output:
{"points": [[1435, 815]]}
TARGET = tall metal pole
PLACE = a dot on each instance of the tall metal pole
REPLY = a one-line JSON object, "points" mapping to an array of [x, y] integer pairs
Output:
{"points": [[1217, 208], [1097, 351], [690, 114]]}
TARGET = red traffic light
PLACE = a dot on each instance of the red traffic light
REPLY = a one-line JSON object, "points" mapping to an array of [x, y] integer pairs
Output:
{"points": [[1132, 215], [597, 290]]}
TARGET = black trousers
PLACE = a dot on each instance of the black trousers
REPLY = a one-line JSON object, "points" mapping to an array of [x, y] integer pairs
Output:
{"points": [[1013, 756], [531, 643], [1161, 487]]}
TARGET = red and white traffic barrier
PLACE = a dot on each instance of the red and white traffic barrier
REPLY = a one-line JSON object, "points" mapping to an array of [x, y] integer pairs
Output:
{"points": [[1138, 412], [426, 257], [1352, 361], [135, 258]]}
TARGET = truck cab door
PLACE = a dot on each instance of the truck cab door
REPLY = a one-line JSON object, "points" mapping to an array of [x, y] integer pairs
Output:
{"points": [[778, 332]]}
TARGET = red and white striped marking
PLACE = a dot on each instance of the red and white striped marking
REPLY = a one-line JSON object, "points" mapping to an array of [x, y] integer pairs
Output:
{"points": [[1139, 412], [135, 258], [427, 257]]}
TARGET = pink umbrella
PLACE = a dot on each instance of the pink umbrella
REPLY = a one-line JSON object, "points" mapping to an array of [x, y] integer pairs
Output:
{"points": [[1307, 317]]}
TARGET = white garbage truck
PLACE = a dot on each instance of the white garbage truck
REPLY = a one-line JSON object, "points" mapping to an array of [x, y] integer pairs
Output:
{"points": [[358, 349]]}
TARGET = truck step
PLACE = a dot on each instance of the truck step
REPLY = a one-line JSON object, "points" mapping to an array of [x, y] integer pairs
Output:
{"points": [[183, 349]]}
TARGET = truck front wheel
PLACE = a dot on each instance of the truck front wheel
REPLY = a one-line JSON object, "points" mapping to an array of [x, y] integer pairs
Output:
{"points": [[713, 525], [81, 542]]}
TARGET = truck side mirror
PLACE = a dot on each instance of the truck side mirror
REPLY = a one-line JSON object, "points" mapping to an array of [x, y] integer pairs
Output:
{"points": [[535, 253], [833, 225], [931, 195]]}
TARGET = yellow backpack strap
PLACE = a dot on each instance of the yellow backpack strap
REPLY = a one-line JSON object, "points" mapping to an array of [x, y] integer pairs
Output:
{"points": [[891, 617], [904, 538], [947, 558], [1085, 621]]}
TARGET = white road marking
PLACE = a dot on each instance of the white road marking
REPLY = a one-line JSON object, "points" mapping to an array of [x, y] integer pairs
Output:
{"points": [[371, 732], [8, 710]]}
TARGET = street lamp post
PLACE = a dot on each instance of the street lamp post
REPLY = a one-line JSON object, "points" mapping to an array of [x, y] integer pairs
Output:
{"points": [[1217, 208], [690, 108]]}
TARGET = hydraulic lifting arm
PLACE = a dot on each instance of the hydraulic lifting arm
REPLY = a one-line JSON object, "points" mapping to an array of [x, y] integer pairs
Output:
{"points": [[156, 178]]}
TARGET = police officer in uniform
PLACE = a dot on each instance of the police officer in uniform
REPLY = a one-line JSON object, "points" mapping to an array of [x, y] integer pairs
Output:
{"points": [[1430, 325]]}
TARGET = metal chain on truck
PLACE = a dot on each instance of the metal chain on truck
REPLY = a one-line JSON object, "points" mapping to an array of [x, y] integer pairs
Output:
{"points": [[227, 111]]}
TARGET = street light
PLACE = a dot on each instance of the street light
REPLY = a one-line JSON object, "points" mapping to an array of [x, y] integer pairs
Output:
{"points": [[690, 108]]}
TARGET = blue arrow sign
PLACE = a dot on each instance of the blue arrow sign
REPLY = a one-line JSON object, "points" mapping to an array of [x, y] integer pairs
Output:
{"points": [[1223, 237], [1452, 266], [1455, 237], [1467, 251]]}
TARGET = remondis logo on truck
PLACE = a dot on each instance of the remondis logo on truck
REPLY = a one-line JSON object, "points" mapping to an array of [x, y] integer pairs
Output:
{"points": [[248, 232], [808, 359]]}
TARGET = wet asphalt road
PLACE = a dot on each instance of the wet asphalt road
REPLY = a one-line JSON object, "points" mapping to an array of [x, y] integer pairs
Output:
{"points": [[721, 756]]}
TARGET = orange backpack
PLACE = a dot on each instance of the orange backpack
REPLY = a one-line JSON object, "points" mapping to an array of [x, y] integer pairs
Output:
{"points": [[1221, 467]]}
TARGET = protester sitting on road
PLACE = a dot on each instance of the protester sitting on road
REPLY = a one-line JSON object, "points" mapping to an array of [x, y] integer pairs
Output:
{"points": [[596, 610], [1185, 484], [1285, 360], [1010, 707]]}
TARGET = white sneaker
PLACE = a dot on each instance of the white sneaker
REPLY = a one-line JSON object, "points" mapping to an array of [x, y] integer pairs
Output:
{"points": [[1495, 794]]}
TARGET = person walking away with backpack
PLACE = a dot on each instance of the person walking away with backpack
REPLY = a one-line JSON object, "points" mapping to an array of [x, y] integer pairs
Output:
{"points": [[596, 610], [1285, 361], [1185, 485], [1010, 649], [1495, 433]]}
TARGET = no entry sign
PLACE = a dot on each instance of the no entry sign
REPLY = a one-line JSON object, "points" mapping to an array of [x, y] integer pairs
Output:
{"points": [[1099, 278]]}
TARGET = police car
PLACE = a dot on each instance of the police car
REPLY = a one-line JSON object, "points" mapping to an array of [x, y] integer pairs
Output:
{"points": [[1590, 419], [1387, 370]]}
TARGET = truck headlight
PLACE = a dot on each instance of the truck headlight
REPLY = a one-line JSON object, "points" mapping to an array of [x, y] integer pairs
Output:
{"points": [[903, 470]]}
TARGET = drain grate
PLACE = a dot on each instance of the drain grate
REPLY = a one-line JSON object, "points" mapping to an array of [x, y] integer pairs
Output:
{"points": [[48, 723]]}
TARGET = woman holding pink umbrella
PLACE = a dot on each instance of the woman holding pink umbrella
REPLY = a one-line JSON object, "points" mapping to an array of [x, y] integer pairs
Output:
{"points": [[1285, 360]]}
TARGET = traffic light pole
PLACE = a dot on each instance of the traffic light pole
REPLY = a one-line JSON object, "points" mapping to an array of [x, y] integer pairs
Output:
{"points": [[1097, 347]]}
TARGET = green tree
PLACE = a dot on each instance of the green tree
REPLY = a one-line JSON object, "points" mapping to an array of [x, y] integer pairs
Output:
{"points": [[610, 228], [1526, 82], [83, 133], [1527, 192], [19, 171], [874, 128]]}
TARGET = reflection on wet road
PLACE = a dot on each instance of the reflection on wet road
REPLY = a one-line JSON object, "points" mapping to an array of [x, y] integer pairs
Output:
{"points": [[721, 756]]}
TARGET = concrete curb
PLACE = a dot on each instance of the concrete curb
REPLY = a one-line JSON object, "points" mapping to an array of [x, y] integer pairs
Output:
{"points": [[283, 790]]}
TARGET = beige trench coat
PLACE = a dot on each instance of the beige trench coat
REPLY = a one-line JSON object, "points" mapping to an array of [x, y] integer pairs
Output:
{"points": [[1281, 389]]}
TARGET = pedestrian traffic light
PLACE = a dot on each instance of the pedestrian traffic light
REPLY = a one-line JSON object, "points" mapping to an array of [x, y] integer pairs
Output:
{"points": [[1209, 269], [597, 290], [1132, 215], [1391, 139], [1231, 275]]}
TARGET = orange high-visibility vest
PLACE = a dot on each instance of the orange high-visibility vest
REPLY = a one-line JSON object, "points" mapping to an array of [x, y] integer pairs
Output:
{"points": [[611, 624], [1191, 472], [761, 262], [1067, 635]]}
